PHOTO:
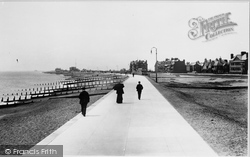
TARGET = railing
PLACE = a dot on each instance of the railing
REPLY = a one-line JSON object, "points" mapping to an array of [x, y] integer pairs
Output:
{"points": [[62, 88]]}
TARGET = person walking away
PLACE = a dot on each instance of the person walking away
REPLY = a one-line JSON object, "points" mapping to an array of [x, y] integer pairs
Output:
{"points": [[139, 88], [119, 91], [84, 100]]}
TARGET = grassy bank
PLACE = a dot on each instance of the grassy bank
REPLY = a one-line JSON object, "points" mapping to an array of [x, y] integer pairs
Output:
{"points": [[29, 124], [219, 116]]}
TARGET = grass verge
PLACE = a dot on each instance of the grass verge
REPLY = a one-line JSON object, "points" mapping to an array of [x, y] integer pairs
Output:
{"points": [[219, 116]]}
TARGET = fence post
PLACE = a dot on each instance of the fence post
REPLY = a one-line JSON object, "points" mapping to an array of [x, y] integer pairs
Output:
{"points": [[7, 101]]}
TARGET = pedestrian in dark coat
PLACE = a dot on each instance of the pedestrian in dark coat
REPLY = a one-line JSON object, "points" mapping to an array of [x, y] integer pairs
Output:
{"points": [[84, 100], [119, 91], [139, 88]]}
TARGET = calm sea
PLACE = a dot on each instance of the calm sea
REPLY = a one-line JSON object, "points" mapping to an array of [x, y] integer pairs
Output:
{"points": [[12, 82]]}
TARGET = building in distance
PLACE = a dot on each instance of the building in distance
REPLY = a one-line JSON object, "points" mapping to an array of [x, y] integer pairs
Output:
{"points": [[138, 67]]}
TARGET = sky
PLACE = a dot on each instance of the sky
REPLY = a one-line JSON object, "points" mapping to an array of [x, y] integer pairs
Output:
{"points": [[103, 35]]}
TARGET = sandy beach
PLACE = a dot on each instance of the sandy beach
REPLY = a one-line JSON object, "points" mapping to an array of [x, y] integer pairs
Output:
{"points": [[29, 124]]}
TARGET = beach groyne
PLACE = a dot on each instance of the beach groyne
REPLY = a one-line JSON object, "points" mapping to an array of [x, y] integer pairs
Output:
{"points": [[73, 85]]}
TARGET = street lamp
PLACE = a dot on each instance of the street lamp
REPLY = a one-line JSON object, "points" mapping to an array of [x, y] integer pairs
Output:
{"points": [[156, 69]]}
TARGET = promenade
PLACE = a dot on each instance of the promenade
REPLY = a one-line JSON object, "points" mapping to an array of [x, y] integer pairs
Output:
{"points": [[146, 127]]}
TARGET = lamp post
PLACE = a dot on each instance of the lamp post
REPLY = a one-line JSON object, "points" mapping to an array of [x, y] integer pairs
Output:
{"points": [[156, 68]]}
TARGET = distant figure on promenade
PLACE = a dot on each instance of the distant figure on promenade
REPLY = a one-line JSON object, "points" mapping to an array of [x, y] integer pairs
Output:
{"points": [[133, 74], [84, 100], [119, 91], [139, 88]]}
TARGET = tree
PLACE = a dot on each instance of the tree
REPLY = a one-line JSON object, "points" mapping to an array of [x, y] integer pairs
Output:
{"points": [[72, 69]]}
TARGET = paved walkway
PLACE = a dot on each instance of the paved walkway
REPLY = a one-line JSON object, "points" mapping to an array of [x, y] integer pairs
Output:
{"points": [[146, 127]]}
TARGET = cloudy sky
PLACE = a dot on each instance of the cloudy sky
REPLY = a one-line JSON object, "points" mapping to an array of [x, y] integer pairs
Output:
{"points": [[108, 34]]}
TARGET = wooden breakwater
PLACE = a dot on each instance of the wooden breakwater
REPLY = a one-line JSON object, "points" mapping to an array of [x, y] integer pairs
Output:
{"points": [[59, 88]]}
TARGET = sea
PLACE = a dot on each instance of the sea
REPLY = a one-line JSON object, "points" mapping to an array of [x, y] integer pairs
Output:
{"points": [[15, 82]]}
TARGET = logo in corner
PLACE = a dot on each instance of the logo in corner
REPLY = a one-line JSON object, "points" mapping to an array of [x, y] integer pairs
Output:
{"points": [[212, 27]]}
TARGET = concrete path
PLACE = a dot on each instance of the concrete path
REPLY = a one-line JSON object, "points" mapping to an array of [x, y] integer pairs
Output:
{"points": [[146, 127]]}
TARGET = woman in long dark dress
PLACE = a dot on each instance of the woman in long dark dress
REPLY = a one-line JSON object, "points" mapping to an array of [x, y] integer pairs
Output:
{"points": [[119, 91]]}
